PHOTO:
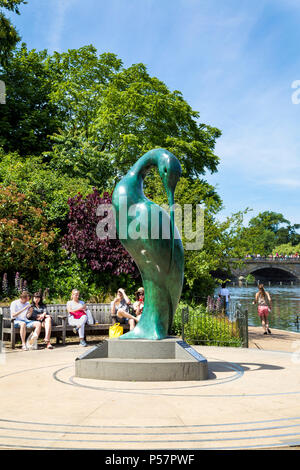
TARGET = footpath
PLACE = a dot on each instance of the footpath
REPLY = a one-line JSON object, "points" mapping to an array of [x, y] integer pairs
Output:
{"points": [[278, 340], [249, 401]]}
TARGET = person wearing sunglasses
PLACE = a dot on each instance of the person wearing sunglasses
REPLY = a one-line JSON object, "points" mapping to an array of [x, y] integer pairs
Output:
{"points": [[120, 308], [38, 312]]}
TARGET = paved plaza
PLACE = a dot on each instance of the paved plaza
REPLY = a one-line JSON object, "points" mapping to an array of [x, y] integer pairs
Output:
{"points": [[250, 401]]}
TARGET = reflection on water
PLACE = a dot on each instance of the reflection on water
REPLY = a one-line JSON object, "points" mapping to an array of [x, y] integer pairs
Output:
{"points": [[286, 305]]}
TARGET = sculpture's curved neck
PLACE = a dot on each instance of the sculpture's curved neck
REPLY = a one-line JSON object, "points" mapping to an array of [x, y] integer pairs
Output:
{"points": [[144, 164], [139, 170]]}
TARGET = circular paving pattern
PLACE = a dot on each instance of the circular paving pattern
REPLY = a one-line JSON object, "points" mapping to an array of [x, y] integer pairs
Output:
{"points": [[250, 401], [49, 436]]}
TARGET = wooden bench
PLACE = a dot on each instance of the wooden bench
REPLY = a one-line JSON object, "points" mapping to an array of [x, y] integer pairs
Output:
{"points": [[60, 327]]}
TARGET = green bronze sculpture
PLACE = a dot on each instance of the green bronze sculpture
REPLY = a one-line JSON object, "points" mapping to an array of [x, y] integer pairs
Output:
{"points": [[157, 253]]}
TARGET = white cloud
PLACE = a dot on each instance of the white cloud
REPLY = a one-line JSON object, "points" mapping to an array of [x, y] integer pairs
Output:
{"points": [[260, 128], [289, 183], [60, 9]]}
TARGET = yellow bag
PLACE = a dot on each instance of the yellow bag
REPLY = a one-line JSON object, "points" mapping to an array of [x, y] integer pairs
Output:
{"points": [[115, 330]]}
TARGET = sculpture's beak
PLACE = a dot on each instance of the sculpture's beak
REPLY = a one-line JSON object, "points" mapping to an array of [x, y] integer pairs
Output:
{"points": [[171, 206], [170, 194]]}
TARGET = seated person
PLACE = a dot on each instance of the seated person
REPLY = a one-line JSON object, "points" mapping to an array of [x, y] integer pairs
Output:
{"points": [[38, 312], [77, 315], [120, 308], [139, 303], [18, 311]]}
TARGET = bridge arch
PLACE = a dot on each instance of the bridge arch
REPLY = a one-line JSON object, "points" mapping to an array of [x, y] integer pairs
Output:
{"points": [[273, 274], [267, 269]]}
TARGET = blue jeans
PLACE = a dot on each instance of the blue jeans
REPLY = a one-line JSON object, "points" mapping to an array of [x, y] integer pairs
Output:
{"points": [[29, 323]]}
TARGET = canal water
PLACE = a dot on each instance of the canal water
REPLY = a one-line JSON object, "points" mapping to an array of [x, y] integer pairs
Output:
{"points": [[285, 305]]}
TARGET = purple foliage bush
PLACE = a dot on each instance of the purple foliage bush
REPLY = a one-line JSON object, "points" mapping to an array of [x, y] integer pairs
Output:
{"points": [[214, 305], [102, 255], [5, 284]]}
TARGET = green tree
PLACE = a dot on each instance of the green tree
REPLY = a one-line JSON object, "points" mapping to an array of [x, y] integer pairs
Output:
{"points": [[139, 112], [25, 235], [114, 114], [268, 220], [254, 240], [79, 119], [43, 186], [91, 116], [275, 230], [78, 78], [29, 117], [286, 235], [286, 249], [9, 37], [263, 233]]}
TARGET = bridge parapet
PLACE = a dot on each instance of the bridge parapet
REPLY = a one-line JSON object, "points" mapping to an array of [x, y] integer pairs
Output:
{"points": [[251, 265], [268, 260]]}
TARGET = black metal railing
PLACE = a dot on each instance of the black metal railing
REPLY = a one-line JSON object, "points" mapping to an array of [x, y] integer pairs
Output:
{"points": [[215, 328], [1, 330]]}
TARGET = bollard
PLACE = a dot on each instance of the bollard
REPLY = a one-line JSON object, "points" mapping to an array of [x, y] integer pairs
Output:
{"points": [[246, 341]]}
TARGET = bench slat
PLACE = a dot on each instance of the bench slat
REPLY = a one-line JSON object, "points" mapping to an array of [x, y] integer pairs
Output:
{"points": [[101, 314]]}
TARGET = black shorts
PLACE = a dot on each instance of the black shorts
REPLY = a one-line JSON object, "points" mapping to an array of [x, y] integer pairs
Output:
{"points": [[122, 320]]}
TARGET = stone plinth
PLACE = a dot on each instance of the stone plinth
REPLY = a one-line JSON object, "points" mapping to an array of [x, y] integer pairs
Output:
{"points": [[142, 360]]}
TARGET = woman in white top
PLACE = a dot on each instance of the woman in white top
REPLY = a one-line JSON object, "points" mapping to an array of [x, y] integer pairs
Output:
{"points": [[225, 296], [18, 311], [120, 308], [77, 315]]}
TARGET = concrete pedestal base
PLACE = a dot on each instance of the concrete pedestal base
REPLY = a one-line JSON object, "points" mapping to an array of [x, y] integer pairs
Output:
{"points": [[142, 360]]}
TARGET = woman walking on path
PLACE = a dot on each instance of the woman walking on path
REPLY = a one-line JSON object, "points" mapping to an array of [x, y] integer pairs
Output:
{"points": [[264, 306]]}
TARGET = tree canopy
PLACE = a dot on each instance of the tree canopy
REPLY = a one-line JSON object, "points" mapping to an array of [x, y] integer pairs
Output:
{"points": [[42, 186], [90, 116], [9, 36], [25, 235], [264, 232], [28, 117], [73, 124]]}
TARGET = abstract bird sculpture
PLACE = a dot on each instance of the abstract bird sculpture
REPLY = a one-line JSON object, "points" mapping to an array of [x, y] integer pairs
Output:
{"points": [[142, 227]]}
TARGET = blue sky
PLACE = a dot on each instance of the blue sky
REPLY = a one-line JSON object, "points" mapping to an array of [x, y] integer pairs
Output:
{"points": [[234, 61]]}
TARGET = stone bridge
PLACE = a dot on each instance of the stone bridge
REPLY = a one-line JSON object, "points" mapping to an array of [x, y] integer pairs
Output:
{"points": [[268, 269]]}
